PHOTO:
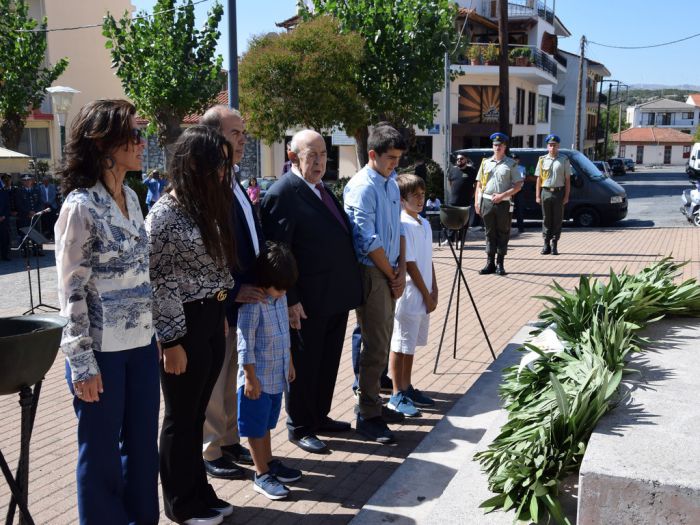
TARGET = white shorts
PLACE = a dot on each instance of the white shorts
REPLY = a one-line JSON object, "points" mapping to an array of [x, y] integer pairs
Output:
{"points": [[409, 332]]}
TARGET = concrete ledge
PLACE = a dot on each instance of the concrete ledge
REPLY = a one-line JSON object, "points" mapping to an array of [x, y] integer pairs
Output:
{"points": [[442, 459], [642, 464]]}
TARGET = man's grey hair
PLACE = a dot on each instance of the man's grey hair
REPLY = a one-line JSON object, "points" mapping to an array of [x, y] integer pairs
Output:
{"points": [[294, 145], [212, 117]]}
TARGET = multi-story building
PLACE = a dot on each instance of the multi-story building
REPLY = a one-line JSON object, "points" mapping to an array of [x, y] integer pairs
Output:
{"points": [[664, 113], [564, 102], [474, 94], [89, 70]]}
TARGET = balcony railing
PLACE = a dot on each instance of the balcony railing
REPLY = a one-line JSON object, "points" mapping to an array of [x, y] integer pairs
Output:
{"points": [[539, 59], [519, 9], [558, 99]]}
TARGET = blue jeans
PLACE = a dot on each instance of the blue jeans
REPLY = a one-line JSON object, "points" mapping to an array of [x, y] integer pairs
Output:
{"points": [[117, 472]]}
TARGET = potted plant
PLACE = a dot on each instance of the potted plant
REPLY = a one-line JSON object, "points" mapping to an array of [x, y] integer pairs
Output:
{"points": [[522, 56], [474, 54], [491, 54]]}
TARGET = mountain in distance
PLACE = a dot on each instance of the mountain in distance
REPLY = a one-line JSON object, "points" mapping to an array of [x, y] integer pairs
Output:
{"points": [[655, 87]]}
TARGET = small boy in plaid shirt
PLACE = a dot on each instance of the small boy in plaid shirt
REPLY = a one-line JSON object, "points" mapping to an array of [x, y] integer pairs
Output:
{"points": [[265, 367]]}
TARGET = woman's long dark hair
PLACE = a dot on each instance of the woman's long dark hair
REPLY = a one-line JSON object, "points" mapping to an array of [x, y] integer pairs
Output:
{"points": [[198, 155], [99, 127]]}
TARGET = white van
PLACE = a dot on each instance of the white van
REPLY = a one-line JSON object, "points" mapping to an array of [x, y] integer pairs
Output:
{"points": [[693, 169]]}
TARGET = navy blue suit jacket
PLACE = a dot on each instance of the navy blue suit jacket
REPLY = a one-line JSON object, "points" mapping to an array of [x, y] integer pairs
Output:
{"points": [[245, 255], [329, 273]]}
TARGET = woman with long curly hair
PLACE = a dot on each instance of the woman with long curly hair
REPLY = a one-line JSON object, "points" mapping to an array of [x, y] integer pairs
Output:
{"points": [[104, 290], [192, 254]]}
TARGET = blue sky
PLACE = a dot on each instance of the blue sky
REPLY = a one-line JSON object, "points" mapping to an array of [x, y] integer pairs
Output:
{"points": [[614, 22]]}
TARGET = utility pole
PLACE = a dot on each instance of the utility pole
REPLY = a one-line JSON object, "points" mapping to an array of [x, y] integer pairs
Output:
{"points": [[447, 127], [607, 121], [232, 56], [597, 120], [579, 96], [504, 109]]}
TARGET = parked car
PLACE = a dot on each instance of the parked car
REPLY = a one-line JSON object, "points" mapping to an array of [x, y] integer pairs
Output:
{"points": [[594, 199], [265, 183], [617, 164], [603, 167], [629, 164]]}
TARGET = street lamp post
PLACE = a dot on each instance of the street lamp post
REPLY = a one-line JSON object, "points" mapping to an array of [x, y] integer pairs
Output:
{"points": [[61, 100]]}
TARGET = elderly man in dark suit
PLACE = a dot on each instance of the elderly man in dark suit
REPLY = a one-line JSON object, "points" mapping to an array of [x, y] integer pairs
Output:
{"points": [[4, 222], [301, 211]]}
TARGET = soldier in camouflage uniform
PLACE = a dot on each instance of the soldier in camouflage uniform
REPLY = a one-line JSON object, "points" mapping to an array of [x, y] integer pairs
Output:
{"points": [[497, 181], [553, 174]]}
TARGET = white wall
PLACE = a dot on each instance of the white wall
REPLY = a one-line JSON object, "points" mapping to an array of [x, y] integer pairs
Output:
{"points": [[654, 154]]}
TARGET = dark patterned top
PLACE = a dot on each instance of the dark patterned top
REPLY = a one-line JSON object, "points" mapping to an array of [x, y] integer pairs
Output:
{"points": [[103, 284], [181, 269]]}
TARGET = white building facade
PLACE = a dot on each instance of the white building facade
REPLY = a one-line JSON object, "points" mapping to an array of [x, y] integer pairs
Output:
{"points": [[664, 113]]}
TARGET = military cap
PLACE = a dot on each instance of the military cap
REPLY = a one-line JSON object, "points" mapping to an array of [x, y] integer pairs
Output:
{"points": [[552, 138], [499, 138], [26, 176]]}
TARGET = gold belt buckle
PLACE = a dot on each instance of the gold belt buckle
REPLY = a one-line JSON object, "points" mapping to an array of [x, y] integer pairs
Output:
{"points": [[221, 295]]}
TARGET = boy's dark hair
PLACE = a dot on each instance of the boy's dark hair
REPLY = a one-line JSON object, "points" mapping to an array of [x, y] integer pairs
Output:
{"points": [[276, 267], [409, 183], [383, 138]]}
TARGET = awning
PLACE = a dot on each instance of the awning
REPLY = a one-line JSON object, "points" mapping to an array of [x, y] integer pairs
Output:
{"points": [[13, 161]]}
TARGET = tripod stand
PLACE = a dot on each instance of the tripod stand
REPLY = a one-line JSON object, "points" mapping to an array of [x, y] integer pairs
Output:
{"points": [[32, 242], [454, 218]]}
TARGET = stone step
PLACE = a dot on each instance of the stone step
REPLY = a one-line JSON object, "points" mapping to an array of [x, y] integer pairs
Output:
{"points": [[442, 465]]}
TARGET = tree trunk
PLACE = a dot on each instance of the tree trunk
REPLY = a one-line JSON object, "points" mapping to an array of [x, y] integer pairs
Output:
{"points": [[169, 131], [504, 107], [11, 130], [361, 137]]}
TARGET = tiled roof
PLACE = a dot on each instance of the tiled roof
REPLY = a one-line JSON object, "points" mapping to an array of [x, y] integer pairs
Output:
{"points": [[695, 97], [652, 135], [189, 120], [665, 103]]}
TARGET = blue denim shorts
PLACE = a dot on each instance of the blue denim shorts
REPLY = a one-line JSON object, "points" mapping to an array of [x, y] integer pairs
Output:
{"points": [[257, 416]]}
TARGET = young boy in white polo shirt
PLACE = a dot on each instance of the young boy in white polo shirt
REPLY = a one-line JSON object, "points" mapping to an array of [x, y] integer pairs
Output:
{"points": [[411, 319]]}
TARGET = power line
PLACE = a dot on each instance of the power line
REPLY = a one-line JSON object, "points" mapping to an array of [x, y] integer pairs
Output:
{"points": [[646, 47], [88, 26]]}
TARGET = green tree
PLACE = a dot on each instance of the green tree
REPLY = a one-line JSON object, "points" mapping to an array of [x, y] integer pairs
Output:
{"points": [[306, 77], [612, 130], [167, 67], [23, 75], [403, 66]]}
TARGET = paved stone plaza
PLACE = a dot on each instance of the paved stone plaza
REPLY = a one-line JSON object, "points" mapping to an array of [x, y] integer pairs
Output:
{"points": [[336, 486]]}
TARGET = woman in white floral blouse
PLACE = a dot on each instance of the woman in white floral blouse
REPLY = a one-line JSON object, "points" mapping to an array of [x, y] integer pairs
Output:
{"points": [[104, 291], [192, 253]]}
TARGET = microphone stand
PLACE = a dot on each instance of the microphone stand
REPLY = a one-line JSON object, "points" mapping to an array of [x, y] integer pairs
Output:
{"points": [[30, 244]]}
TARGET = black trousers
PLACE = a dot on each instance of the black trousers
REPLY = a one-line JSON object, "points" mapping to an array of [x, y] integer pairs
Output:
{"points": [[5, 238], [316, 350], [186, 491]]}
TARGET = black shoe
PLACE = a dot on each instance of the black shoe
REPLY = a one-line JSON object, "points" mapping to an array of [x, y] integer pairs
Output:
{"points": [[554, 249], [500, 269], [489, 268], [331, 425], [375, 429], [224, 469], [310, 443], [546, 249], [237, 453], [391, 416], [222, 507]]}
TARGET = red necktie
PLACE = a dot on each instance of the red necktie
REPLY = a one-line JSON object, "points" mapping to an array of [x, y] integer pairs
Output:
{"points": [[328, 201]]}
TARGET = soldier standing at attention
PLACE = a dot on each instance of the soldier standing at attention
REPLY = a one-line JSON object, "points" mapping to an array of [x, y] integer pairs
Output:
{"points": [[497, 182], [553, 174]]}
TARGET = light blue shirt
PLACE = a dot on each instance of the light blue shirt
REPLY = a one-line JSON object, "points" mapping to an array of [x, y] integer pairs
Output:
{"points": [[263, 340], [373, 205]]}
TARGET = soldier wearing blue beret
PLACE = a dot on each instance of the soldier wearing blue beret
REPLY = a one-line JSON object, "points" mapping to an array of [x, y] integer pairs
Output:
{"points": [[497, 182], [553, 174]]}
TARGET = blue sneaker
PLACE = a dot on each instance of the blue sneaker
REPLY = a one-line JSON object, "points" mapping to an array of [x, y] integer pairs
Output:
{"points": [[282, 473], [401, 403], [270, 486], [419, 398]]}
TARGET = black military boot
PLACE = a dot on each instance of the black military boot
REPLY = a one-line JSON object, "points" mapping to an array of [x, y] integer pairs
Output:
{"points": [[500, 269], [489, 268], [554, 247], [546, 249]]}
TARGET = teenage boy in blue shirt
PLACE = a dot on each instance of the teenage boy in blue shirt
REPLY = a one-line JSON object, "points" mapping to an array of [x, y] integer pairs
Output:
{"points": [[373, 204]]}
